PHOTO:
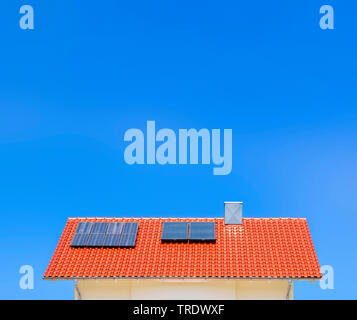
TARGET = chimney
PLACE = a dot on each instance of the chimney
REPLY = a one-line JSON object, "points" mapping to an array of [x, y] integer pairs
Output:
{"points": [[233, 212]]}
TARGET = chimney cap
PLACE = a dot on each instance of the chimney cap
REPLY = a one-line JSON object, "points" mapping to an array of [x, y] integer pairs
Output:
{"points": [[233, 201]]}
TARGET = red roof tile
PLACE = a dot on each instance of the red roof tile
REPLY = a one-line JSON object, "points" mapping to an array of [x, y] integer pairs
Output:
{"points": [[259, 248]]}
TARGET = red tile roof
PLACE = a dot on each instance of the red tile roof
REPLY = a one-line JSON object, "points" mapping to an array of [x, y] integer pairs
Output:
{"points": [[259, 248]]}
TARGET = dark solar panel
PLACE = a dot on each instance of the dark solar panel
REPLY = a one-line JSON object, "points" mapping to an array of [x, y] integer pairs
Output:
{"points": [[111, 240], [113, 235], [95, 240], [99, 227], [115, 228], [96, 237], [81, 236], [174, 231], [80, 240], [98, 234], [128, 237], [84, 227], [202, 231]]}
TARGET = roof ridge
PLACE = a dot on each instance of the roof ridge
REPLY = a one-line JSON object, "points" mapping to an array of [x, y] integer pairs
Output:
{"points": [[221, 218]]}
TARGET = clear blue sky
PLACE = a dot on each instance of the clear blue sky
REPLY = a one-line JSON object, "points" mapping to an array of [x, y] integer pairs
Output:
{"points": [[91, 70]]}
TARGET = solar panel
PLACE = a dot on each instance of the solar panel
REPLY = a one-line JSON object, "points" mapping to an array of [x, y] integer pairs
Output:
{"points": [[115, 228], [111, 240], [174, 231], [113, 235], [95, 240], [97, 234], [81, 236], [79, 240], [84, 227], [128, 237], [99, 227], [202, 231]]}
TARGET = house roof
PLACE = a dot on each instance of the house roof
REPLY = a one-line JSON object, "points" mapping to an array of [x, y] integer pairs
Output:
{"points": [[258, 248]]}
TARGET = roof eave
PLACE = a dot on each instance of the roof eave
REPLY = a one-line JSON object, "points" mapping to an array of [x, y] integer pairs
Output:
{"points": [[183, 278]]}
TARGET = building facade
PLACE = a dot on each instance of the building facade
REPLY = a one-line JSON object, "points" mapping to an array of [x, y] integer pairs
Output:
{"points": [[142, 289]]}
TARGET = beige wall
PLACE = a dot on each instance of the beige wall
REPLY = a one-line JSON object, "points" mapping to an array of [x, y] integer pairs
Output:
{"points": [[182, 289]]}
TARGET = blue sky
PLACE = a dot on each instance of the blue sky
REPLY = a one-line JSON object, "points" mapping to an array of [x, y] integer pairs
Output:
{"points": [[91, 70]]}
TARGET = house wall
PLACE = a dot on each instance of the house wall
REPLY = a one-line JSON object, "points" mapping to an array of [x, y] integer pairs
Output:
{"points": [[147, 289]]}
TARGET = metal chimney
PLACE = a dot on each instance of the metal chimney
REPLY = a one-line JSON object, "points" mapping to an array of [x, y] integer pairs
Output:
{"points": [[233, 212]]}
